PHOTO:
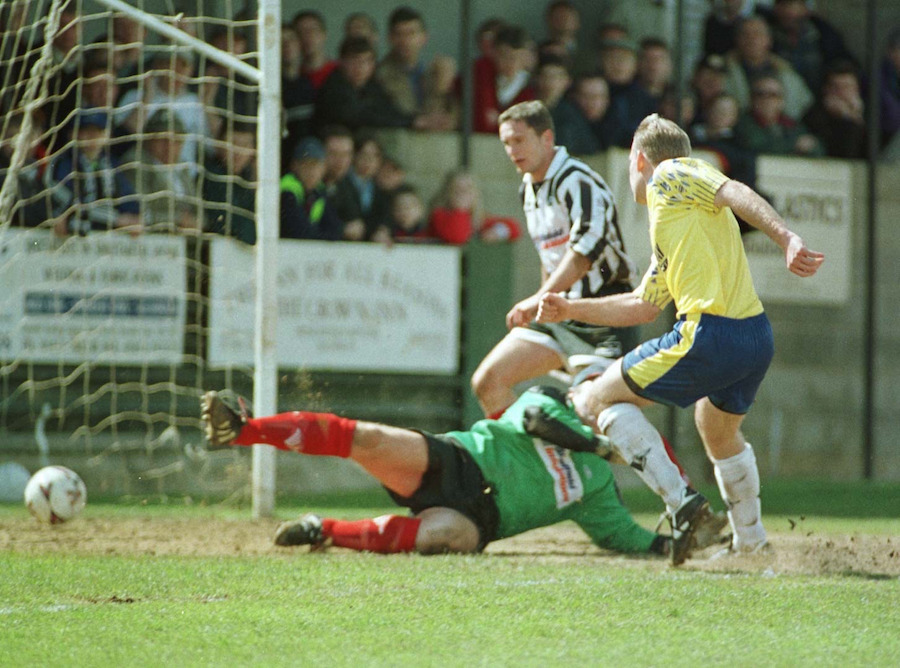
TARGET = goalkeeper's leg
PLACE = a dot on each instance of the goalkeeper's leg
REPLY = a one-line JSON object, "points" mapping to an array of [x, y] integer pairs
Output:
{"points": [[433, 531], [396, 457]]}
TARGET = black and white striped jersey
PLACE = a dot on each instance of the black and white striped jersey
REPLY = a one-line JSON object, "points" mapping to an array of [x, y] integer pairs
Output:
{"points": [[574, 208]]}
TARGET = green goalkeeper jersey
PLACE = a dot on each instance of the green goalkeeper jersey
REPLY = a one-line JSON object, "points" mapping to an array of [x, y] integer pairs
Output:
{"points": [[537, 483]]}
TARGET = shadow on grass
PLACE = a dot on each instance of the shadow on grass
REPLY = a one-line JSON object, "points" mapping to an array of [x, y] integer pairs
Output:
{"points": [[867, 576]]}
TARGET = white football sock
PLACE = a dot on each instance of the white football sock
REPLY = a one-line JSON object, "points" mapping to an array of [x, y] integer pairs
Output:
{"points": [[640, 445], [738, 479]]}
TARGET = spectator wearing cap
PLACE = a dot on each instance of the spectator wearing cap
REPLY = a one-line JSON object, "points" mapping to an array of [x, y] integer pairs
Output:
{"points": [[890, 94], [629, 102], [838, 117], [353, 97], [166, 185], [720, 29], [752, 58], [503, 80], [807, 41], [168, 90], [86, 187], [229, 184], [305, 210], [313, 34], [708, 83], [767, 129]]}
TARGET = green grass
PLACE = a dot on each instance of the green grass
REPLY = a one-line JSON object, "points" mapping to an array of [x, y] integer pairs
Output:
{"points": [[345, 609], [365, 609]]}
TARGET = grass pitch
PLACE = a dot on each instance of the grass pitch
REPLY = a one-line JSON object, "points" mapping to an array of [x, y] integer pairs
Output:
{"points": [[203, 586]]}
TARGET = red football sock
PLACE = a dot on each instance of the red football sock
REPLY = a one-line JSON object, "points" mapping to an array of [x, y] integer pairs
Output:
{"points": [[309, 433], [385, 534], [671, 453]]}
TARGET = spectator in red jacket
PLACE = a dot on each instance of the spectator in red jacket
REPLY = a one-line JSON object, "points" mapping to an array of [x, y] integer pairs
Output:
{"points": [[503, 80], [457, 214]]}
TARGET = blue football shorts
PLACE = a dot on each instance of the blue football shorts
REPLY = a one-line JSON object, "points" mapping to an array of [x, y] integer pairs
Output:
{"points": [[723, 359]]}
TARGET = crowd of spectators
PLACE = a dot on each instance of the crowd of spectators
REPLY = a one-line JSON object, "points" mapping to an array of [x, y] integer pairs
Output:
{"points": [[145, 136]]}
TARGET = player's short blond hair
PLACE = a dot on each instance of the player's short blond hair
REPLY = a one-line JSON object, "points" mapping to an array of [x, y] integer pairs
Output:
{"points": [[533, 113], [660, 139]]}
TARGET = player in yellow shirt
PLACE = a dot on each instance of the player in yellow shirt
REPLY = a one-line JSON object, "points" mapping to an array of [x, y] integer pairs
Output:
{"points": [[721, 345]]}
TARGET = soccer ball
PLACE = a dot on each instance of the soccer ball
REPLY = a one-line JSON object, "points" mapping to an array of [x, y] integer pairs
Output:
{"points": [[55, 494]]}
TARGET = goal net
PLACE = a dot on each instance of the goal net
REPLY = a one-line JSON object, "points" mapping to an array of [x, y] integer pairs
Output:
{"points": [[128, 148]]}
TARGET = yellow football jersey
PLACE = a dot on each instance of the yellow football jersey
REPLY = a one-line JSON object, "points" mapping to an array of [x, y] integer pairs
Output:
{"points": [[699, 260]]}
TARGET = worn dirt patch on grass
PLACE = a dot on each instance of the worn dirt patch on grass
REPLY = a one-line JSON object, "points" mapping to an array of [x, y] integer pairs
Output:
{"points": [[858, 555]]}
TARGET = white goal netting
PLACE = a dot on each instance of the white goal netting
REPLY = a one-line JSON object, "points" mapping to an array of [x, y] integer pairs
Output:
{"points": [[123, 156]]}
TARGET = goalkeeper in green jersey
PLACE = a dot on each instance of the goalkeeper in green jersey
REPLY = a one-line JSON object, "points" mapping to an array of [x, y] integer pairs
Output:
{"points": [[464, 488]]}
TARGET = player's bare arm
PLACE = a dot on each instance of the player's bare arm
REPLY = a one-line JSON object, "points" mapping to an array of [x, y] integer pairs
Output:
{"points": [[624, 310], [754, 209], [572, 268]]}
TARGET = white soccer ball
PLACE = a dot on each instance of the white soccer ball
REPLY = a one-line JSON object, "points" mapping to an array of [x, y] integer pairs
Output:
{"points": [[55, 494]]}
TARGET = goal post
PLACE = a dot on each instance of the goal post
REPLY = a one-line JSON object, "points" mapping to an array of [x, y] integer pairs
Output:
{"points": [[265, 378], [78, 357]]}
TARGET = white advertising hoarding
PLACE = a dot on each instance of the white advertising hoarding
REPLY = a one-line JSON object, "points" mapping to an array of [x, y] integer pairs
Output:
{"points": [[342, 306], [815, 199], [106, 297]]}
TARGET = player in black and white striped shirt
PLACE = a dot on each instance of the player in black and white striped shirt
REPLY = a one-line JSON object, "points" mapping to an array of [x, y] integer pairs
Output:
{"points": [[572, 219]]}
